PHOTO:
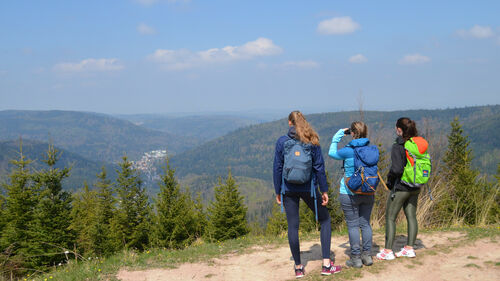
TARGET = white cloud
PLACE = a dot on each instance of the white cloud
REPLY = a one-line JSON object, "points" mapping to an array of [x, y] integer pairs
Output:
{"points": [[182, 59], [414, 59], [339, 25], [359, 58], [305, 64], [145, 29], [89, 65], [477, 31]]}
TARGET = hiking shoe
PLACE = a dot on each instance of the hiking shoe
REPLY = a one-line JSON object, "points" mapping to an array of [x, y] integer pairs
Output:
{"points": [[409, 253], [367, 259], [354, 262], [328, 270], [299, 272], [383, 255]]}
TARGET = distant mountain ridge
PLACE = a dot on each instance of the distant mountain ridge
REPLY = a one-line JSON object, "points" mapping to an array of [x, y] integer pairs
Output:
{"points": [[249, 151], [199, 127], [95, 136]]}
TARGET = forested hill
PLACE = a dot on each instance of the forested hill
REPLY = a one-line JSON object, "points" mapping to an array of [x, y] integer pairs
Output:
{"points": [[199, 127], [94, 136], [81, 169], [249, 151]]}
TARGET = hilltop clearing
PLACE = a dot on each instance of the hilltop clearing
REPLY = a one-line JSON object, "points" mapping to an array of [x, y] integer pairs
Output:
{"points": [[440, 256]]}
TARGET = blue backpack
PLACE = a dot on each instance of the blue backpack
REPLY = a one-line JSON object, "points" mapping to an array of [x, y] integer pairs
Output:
{"points": [[298, 162], [365, 178], [297, 167]]}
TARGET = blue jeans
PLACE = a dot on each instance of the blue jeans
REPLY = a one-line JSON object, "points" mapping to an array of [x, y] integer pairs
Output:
{"points": [[291, 204], [357, 211]]}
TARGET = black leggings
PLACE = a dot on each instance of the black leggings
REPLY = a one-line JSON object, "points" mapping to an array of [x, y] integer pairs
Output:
{"points": [[291, 204]]}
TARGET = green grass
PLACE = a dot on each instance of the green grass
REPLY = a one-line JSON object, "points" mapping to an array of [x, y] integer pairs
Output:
{"points": [[106, 268], [472, 257], [472, 265]]}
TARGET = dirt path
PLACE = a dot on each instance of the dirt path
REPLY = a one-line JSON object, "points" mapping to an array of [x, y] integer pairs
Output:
{"points": [[436, 260]]}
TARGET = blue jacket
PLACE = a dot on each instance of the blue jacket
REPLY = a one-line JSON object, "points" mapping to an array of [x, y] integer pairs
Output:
{"points": [[346, 154], [318, 167]]}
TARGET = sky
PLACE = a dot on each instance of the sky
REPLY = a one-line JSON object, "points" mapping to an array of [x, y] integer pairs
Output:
{"points": [[167, 56]]}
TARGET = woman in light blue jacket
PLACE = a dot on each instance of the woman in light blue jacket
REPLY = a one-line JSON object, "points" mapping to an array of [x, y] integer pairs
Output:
{"points": [[357, 208]]}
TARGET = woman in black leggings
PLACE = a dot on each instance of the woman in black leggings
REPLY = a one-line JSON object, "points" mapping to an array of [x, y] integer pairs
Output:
{"points": [[302, 134], [401, 196]]}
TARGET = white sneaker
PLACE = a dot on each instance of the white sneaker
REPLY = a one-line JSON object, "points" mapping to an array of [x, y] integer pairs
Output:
{"points": [[409, 253], [383, 255]]}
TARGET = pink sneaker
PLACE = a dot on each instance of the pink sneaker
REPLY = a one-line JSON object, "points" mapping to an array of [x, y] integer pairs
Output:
{"points": [[383, 255], [299, 272], [405, 252], [328, 270]]}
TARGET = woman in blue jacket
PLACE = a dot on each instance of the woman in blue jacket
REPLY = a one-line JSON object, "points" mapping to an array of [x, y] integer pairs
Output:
{"points": [[357, 208], [300, 130]]}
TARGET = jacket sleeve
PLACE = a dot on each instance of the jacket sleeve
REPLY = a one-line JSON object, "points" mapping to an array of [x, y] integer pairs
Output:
{"points": [[333, 152], [278, 166], [319, 169], [398, 163]]}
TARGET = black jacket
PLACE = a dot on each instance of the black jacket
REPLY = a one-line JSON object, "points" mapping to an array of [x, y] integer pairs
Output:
{"points": [[398, 163]]}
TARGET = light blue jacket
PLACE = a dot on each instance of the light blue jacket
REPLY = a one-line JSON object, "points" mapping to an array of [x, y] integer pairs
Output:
{"points": [[347, 154]]}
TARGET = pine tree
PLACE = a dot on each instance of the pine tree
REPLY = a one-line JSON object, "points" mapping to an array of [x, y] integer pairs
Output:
{"points": [[175, 219], [105, 211], [201, 216], [84, 220], [131, 223], [461, 203], [227, 214], [21, 197], [52, 216], [276, 224]]}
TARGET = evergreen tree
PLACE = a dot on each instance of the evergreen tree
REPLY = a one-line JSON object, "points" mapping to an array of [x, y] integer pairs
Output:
{"points": [[200, 215], [461, 203], [277, 224], [175, 219], [131, 223], [227, 214], [84, 220], [21, 197], [52, 216], [105, 211]]}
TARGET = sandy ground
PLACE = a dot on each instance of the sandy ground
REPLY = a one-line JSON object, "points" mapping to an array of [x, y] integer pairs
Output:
{"points": [[468, 261]]}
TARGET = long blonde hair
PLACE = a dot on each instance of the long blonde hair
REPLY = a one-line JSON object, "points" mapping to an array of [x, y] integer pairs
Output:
{"points": [[305, 133]]}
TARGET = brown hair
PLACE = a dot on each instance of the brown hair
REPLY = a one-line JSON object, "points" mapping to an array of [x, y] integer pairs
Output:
{"points": [[305, 133], [408, 127], [359, 129]]}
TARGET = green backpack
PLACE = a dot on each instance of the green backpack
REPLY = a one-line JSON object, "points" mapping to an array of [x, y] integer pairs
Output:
{"points": [[418, 165]]}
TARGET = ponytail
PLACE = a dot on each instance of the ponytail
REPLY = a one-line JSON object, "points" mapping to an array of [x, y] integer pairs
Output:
{"points": [[408, 126], [305, 133]]}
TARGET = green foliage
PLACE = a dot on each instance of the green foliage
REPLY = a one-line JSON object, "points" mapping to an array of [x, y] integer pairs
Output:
{"points": [[277, 224], [178, 220], [91, 217], [84, 220], [21, 198], [227, 214], [130, 226], [51, 219], [469, 198]]}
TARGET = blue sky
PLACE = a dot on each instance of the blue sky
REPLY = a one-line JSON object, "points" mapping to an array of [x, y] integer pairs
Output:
{"points": [[163, 56]]}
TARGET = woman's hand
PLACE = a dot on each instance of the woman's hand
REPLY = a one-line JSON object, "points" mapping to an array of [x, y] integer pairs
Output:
{"points": [[278, 199], [324, 196]]}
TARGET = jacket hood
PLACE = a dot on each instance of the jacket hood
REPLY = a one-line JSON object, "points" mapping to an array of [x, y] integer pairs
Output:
{"points": [[359, 142], [291, 132], [400, 140]]}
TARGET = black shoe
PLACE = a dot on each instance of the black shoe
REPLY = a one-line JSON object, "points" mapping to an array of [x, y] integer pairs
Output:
{"points": [[354, 262], [367, 259]]}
